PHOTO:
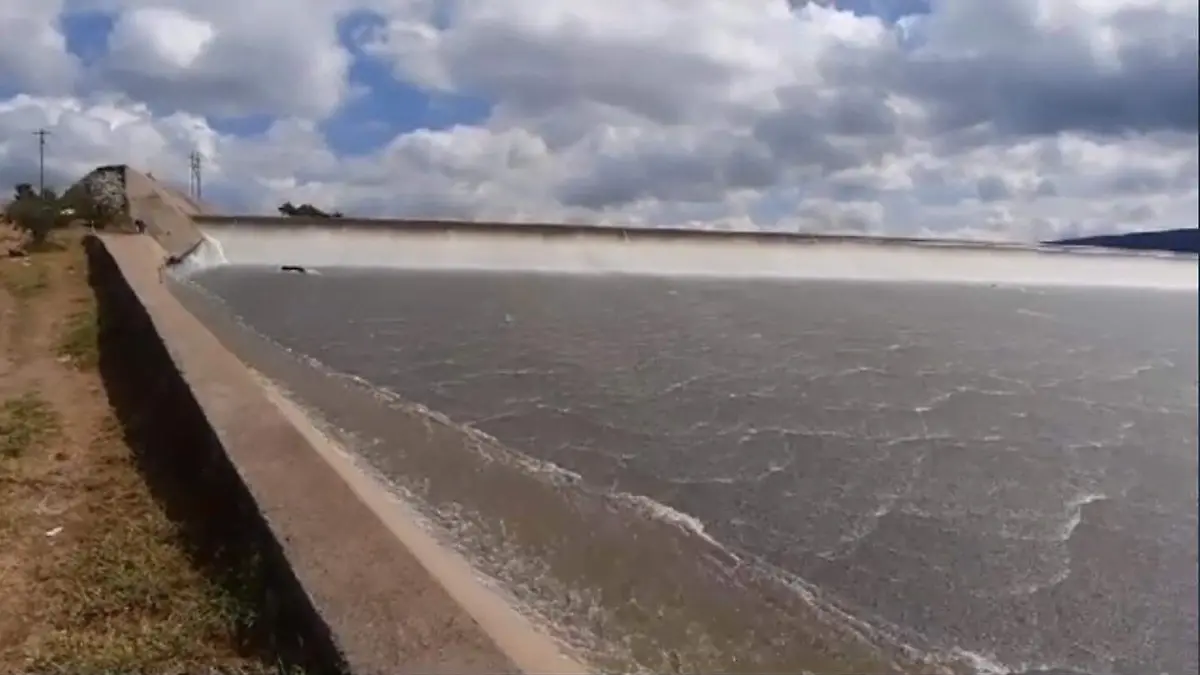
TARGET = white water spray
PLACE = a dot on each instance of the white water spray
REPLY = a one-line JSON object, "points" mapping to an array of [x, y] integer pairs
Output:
{"points": [[208, 254]]}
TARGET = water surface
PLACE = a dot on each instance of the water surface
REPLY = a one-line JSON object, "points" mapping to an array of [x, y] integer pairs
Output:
{"points": [[1006, 471]]}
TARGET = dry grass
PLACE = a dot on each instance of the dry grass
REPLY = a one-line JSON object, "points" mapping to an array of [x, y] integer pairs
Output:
{"points": [[24, 278], [27, 422], [79, 342], [94, 576], [122, 594]]}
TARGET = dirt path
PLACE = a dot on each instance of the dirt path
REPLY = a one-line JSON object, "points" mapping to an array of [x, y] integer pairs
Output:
{"points": [[93, 576]]}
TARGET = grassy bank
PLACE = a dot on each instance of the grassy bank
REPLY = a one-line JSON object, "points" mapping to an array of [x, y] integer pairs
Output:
{"points": [[94, 575]]}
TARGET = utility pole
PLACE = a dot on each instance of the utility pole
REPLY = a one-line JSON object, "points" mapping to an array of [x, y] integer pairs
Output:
{"points": [[196, 186], [41, 134]]}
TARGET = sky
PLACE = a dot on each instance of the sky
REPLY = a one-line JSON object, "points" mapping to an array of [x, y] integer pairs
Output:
{"points": [[994, 119]]}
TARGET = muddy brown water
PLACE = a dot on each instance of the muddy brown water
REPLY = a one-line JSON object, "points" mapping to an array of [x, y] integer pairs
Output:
{"points": [[1002, 476]]}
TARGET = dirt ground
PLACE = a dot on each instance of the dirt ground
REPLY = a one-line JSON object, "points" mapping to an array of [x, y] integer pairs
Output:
{"points": [[94, 577]]}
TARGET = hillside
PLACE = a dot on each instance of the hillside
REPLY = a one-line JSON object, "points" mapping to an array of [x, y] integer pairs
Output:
{"points": [[1185, 240]]}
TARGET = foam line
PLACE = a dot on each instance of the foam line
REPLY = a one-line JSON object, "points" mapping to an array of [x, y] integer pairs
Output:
{"points": [[701, 255]]}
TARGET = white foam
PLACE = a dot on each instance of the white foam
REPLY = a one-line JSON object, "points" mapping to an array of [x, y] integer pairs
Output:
{"points": [[981, 664], [210, 253], [661, 512], [586, 252]]}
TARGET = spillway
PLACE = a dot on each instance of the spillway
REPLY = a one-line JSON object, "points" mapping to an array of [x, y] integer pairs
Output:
{"points": [[756, 454]]}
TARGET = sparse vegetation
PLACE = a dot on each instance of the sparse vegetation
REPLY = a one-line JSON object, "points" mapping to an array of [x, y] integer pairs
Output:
{"points": [[27, 422], [98, 574], [121, 595], [24, 280], [79, 343], [36, 214]]}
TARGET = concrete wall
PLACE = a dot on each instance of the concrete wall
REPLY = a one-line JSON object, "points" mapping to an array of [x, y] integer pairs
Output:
{"points": [[167, 212], [351, 593], [189, 470], [569, 230]]}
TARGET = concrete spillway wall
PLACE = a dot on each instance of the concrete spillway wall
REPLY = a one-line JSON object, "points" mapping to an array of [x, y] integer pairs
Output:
{"points": [[435, 245], [355, 596], [186, 460]]}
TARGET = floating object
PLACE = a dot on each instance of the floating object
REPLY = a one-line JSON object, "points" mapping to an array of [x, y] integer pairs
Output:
{"points": [[294, 268]]}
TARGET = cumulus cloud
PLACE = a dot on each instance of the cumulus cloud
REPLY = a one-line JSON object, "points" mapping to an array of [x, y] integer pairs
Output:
{"points": [[95, 133], [1014, 119], [227, 58], [1026, 67], [33, 49]]}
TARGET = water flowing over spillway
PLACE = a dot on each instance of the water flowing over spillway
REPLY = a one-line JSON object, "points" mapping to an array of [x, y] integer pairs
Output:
{"points": [[959, 466]]}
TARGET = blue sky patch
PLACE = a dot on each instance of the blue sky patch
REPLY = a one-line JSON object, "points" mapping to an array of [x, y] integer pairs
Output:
{"points": [[387, 107], [87, 34]]}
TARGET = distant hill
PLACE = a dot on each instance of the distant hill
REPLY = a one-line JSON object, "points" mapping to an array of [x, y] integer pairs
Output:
{"points": [[1177, 241]]}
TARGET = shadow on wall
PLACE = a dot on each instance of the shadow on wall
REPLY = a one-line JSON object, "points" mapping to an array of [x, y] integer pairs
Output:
{"points": [[189, 473]]}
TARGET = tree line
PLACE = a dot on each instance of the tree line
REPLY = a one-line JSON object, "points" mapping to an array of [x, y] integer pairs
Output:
{"points": [[306, 210], [98, 201]]}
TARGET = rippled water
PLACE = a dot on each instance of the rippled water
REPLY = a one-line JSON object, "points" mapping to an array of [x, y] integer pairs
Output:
{"points": [[1010, 472]]}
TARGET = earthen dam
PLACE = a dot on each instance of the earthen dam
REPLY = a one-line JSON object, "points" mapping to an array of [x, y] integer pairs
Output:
{"points": [[553, 448]]}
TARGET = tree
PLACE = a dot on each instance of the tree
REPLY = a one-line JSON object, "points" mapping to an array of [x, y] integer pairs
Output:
{"points": [[99, 199], [36, 214], [305, 211]]}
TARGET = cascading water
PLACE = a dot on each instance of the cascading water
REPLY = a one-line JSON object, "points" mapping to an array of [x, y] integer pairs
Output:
{"points": [[699, 256]]}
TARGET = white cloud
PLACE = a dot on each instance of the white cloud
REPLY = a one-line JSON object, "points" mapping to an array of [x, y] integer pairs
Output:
{"points": [[166, 40], [33, 50], [92, 134], [227, 57], [999, 118]]}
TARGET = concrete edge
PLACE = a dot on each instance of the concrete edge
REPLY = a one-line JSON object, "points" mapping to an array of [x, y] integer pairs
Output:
{"points": [[378, 606], [187, 468], [531, 651]]}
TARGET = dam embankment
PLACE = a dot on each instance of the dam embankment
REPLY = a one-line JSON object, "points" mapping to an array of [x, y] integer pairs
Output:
{"points": [[189, 470], [337, 585]]}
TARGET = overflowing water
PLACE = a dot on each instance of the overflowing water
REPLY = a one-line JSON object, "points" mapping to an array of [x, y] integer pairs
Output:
{"points": [[1000, 476]]}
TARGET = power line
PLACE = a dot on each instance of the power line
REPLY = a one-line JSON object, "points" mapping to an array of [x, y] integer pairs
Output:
{"points": [[195, 160], [41, 134]]}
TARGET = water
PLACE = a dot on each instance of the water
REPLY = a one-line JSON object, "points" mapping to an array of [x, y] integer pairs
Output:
{"points": [[1004, 473]]}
